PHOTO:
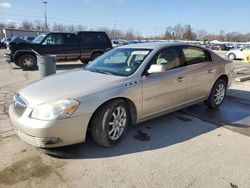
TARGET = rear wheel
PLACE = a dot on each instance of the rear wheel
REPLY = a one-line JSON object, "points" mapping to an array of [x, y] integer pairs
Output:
{"points": [[217, 94], [27, 61], [95, 55], [84, 61], [110, 123]]}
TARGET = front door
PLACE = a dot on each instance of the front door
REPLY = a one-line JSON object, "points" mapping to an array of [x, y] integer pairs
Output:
{"points": [[63, 45], [167, 90]]}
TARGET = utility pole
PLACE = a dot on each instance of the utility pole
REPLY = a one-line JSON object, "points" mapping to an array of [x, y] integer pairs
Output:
{"points": [[115, 35], [45, 14]]}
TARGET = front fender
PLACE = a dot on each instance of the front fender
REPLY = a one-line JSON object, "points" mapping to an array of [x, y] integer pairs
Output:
{"points": [[18, 53]]}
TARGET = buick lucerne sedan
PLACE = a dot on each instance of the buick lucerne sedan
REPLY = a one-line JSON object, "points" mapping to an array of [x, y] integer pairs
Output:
{"points": [[123, 87]]}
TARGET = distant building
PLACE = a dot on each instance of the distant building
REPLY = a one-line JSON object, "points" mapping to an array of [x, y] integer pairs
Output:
{"points": [[20, 32]]}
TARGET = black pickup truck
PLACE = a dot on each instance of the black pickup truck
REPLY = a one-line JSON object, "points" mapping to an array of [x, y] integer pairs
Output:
{"points": [[83, 45]]}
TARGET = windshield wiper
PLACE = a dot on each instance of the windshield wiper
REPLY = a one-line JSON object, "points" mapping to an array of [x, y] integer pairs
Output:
{"points": [[101, 71]]}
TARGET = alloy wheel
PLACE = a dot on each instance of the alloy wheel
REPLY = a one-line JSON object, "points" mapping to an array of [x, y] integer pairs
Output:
{"points": [[117, 123], [219, 94]]}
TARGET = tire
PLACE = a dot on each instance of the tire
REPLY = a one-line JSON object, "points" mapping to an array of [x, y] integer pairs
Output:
{"points": [[106, 129], [95, 55], [231, 56], [27, 61], [217, 94], [84, 61]]}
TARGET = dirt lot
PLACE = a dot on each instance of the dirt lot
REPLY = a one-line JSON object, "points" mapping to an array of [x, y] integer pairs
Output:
{"points": [[175, 150]]}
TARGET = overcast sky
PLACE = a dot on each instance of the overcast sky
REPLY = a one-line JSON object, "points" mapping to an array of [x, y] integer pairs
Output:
{"points": [[145, 16]]}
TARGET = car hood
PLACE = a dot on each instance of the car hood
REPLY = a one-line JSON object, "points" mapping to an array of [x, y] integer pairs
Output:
{"points": [[71, 84]]}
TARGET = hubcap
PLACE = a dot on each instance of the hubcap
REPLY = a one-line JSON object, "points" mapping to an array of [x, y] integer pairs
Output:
{"points": [[117, 123], [219, 94], [232, 56], [28, 61]]}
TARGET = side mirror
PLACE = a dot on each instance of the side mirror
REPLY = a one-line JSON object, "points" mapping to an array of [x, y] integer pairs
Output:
{"points": [[241, 49], [155, 68]]}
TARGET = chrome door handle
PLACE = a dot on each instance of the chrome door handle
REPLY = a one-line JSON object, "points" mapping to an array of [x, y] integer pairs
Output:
{"points": [[180, 79], [210, 71]]}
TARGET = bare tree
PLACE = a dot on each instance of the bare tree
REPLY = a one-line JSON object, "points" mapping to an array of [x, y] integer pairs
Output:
{"points": [[26, 25], [202, 35], [38, 25], [188, 33]]}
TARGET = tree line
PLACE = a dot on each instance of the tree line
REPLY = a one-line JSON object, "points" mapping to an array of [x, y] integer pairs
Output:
{"points": [[177, 32]]}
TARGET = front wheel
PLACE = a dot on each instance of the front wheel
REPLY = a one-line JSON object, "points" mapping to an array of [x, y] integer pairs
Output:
{"points": [[110, 123], [232, 56], [27, 61], [217, 94]]}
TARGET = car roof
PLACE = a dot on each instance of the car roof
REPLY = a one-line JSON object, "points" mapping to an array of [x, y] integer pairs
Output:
{"points": [[154, 45]]}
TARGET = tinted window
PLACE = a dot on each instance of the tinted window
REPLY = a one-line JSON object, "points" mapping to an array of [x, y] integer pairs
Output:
{"points": [[61, 39], [54, 39], [167, 57], [70, 39], [194, 55], [92, 37]]}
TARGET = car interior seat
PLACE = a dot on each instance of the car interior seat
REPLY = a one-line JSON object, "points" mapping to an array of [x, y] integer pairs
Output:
{"points": [[169, 59]]}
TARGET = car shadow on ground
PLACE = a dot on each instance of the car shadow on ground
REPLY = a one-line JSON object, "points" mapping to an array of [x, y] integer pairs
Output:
{"points": [[234, 114], [167, 130], [157, 133]]}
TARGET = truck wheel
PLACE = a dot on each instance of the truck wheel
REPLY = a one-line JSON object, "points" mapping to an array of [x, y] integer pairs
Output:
{"points": [[84, 61], [95, 55], [110, 123], [27, 61], [217, 94]]}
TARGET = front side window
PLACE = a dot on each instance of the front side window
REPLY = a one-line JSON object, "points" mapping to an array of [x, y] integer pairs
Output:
{"points": [[194, 55], [167, 57], [54, 39], [246, 48], [119, 61]]}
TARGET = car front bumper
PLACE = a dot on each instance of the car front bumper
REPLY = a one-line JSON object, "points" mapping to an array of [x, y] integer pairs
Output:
{"points": [[49, 134], [7, 58]]}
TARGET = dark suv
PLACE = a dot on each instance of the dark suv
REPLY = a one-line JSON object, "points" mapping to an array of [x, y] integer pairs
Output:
{"points": [[83, 45]]}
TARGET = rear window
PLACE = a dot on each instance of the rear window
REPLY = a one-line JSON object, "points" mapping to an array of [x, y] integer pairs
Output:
{"points": [[92, 37], [194, 55]]}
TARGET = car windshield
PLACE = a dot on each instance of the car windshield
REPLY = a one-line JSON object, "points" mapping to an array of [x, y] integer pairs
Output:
{"points": [[119, 61], [39, 38]]}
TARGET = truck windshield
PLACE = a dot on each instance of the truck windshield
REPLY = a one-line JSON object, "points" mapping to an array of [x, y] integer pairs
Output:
{"points": [[119, 61], [39, 38]]}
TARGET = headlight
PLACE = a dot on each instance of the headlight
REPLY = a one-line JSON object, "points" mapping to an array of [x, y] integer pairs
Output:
{"points": [[55, 110]]}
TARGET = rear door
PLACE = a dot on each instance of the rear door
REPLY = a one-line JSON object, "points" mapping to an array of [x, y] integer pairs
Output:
{"points": [[198, 73]]}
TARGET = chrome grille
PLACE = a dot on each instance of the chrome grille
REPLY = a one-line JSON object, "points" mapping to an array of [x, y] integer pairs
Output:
{"points": [[19, 105]]}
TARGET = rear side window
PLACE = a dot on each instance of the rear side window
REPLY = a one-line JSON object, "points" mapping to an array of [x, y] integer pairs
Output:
{"points": [[70, 39], [194, 55], [92, 37]]}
